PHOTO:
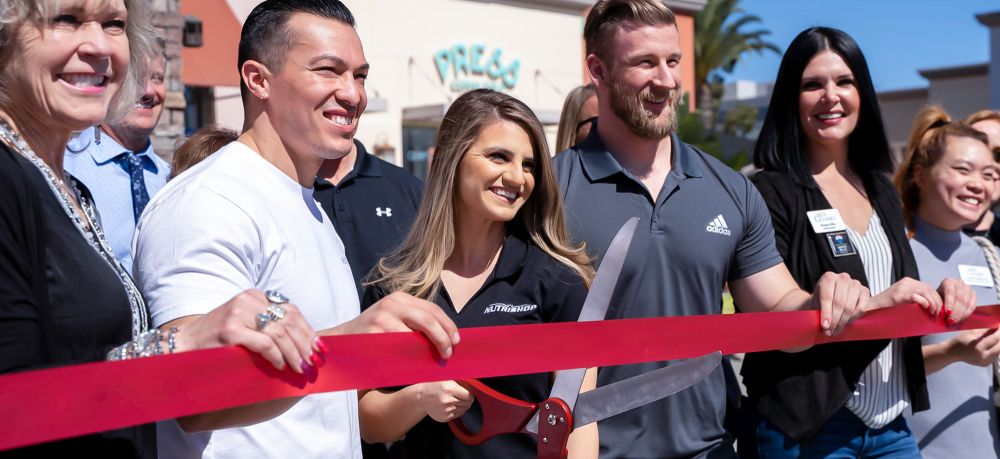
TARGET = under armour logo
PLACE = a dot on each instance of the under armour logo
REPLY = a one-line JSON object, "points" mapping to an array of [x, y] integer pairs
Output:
{"points": [[383, 213]]}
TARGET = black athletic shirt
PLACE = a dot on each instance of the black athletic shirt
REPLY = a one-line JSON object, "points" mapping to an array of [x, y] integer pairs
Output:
{"points": [[527, 286], [371, 208]]}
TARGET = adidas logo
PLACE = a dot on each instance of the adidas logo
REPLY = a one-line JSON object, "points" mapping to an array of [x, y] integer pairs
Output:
{"points": [[719, 226]]}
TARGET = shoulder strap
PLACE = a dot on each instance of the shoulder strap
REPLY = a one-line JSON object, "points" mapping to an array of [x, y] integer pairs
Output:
{"points": [[992, 260]]}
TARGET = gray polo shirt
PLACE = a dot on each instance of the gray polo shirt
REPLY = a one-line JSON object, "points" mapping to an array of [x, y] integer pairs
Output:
{"points": [[708, 225]]}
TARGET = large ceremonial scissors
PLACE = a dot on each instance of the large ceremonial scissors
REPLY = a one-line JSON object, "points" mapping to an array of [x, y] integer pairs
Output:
{"points": [[553, 419]]}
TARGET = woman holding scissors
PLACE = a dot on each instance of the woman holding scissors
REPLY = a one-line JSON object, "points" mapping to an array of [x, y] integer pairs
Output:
{"points": [[489, 246]]}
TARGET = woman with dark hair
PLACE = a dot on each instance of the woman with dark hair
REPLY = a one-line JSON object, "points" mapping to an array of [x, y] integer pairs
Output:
{"points": [[946, 181], [490, 247], [824, 155]]}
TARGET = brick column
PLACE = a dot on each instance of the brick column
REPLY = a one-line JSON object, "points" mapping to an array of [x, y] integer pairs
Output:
{"points": [[170, 129]]}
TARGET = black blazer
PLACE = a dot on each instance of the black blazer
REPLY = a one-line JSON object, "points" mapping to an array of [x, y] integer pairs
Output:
{"points": [[799, 392], [60, 302]]}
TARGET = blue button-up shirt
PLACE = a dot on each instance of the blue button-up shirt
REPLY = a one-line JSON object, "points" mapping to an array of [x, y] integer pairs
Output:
{"points": [[97, 165]]}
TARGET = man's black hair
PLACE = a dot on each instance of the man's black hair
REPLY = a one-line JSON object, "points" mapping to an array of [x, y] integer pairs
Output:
{"points": [[265, 36]]}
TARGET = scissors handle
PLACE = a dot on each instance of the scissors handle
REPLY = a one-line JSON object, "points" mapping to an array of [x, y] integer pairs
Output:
{"points": [[555, 423], [501, 414]]}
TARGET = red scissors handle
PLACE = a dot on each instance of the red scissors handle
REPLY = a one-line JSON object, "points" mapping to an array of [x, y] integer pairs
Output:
{"points": [[504, 414], [501, 414], [555, 423]]}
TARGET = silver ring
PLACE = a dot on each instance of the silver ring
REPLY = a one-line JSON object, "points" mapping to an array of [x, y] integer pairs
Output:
{"points": [[276, 312], [262, 320], [274, 297]]}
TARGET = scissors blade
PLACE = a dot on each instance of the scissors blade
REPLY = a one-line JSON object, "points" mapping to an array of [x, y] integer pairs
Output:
{"points": [[627, 394], [566, 386]]}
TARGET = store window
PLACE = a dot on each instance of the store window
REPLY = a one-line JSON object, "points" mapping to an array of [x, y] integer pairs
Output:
{"points": [[199, 110], [417, 143]]}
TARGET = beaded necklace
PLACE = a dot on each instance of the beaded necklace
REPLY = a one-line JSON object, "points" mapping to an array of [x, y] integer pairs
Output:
{"points": [[96, 237]]}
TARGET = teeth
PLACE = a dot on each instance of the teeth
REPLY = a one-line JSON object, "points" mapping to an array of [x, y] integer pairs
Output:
{"points": [[84, 80], [145, 102], [342, 120], [830, 116], [505, 193], [972, 201]]}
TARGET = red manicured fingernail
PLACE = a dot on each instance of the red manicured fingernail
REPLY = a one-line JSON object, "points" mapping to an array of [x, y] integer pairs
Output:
{"points": [[314, 358], [321, 345], [951, 321], [304, 366], [947, 311]]}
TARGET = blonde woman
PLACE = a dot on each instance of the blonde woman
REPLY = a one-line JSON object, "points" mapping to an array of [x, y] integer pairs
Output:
{"points": [[489, 246], [578, 114], [64, 298], [946, 182]]}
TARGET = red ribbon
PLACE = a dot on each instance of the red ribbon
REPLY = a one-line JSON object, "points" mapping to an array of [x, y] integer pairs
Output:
{"points": [[46, 405]]}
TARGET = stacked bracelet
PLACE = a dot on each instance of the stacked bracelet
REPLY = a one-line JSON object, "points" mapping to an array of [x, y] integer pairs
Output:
{"points": [[148, 343], [172, 340]]}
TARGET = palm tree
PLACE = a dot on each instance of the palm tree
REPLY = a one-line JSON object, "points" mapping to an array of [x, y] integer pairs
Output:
{"points": [[719, 42]]}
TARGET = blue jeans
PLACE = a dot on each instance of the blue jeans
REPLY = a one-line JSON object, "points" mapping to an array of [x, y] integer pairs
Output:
{"points": [[843, 436]]}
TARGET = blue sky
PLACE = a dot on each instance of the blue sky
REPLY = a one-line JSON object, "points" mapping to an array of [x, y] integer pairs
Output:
{"points": [[898, 37]]}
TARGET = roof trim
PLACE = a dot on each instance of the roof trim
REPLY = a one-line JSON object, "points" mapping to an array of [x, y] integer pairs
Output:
{"points": [[989, 19], [898, 94], [957, 71]]}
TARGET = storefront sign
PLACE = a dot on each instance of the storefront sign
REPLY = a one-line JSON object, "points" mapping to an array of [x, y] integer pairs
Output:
{"points": [[471, 67]]}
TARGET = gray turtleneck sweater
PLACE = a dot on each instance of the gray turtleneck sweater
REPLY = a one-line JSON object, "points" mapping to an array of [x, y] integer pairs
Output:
{"points": [[962, 419]]}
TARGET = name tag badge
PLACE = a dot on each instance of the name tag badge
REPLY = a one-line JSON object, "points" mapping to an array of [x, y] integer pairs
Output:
{"points": [[826, 221], [976, 276], [840, 244]]}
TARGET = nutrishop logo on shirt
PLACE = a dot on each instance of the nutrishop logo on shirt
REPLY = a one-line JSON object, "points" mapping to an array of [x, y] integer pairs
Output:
{"points": [[509, 308]]}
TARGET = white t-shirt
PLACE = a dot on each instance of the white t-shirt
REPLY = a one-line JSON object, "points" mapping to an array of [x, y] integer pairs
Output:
{"points": [[231, 223]]}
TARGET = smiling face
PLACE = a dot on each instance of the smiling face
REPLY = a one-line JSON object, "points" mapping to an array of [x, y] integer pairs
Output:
{"points": [[641, 78], [316, 98], [496, 175], [956, 190], [146, 113], [991, 128], [66, 71], [829, 101]]}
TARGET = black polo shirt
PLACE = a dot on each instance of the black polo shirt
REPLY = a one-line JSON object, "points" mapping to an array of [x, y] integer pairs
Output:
{"points": [[708, 225], [371, 208], [527, 286], [993, 234]]}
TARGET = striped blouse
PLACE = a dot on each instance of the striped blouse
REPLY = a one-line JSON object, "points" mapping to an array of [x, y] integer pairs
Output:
{"points": [[880, 395]]}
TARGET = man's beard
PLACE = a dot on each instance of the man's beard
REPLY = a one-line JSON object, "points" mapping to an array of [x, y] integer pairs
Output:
{"points": [[643, 123]]}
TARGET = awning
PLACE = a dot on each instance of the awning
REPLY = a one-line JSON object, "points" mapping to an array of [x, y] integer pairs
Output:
{"points": [[214, 63]]}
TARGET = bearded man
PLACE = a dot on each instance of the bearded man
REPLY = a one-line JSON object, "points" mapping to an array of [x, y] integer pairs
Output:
{"points": [[703, 225]]}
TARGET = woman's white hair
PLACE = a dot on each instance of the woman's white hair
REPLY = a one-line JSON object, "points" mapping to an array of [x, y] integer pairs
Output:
{"points": [[139, 30]]}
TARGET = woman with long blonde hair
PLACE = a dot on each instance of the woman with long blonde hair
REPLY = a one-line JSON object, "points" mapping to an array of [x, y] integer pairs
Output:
{"points": [[490, 247]]}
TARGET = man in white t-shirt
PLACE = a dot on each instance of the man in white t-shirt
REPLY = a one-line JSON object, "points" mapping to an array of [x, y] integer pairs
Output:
{"points": [[244, 220]]}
